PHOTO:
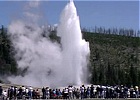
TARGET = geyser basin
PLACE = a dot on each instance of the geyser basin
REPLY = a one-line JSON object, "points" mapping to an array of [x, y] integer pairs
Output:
{"points": [[49, 63]]}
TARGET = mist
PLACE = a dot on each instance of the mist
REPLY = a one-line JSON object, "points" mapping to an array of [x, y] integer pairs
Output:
{"points": [[49, 63]]}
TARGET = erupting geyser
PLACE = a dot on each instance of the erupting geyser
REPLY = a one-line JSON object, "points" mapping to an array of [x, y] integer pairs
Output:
{"points": [[50, 63], [74, 48]]}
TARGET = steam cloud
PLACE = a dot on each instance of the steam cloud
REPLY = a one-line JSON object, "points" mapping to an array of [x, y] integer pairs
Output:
{"points": [[49, 63]]}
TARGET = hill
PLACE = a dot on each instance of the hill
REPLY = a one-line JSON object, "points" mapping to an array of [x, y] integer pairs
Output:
{"points": [[114, 59]]}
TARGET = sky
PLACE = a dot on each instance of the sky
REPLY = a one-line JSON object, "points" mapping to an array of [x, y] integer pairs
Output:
{"points": [[102, 13]]}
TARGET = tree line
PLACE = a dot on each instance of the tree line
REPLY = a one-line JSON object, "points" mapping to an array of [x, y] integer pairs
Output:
{"points": [[116, 31]]}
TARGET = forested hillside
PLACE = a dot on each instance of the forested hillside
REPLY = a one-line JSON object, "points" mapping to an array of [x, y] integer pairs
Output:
{"points": [[114, 59]]}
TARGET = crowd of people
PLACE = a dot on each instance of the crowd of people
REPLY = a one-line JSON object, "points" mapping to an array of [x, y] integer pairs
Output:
{"points": [[70, 92]]}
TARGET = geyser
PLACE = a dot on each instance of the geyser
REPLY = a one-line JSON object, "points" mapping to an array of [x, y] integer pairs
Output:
{"points": [[50, 63], [74, 48]]}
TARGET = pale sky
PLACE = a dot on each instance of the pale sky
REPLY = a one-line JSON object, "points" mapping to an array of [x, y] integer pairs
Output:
{"points": [[108, 14]]}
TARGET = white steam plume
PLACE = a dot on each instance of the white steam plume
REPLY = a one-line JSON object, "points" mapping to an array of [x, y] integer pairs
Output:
{"points": [[48, 63]]}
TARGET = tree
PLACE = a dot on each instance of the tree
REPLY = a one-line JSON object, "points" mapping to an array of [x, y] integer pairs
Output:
{"points": [[8, 64]]}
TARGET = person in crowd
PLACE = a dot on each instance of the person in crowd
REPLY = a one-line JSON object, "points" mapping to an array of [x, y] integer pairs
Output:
{"points": [[37, 93], [1, 91], [59, 94], [54, 94], [34, 94], [23, 90], [131, 92], [43, 93], [70, 92], [5, 96], [47, 92], [11, 92], [66, 96], [30, 90], [20, 94], [137, 91], [91, 91], [15, 92], [82, 91], [51, 93], [74, 92], [77, 93], [88, 92]]}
